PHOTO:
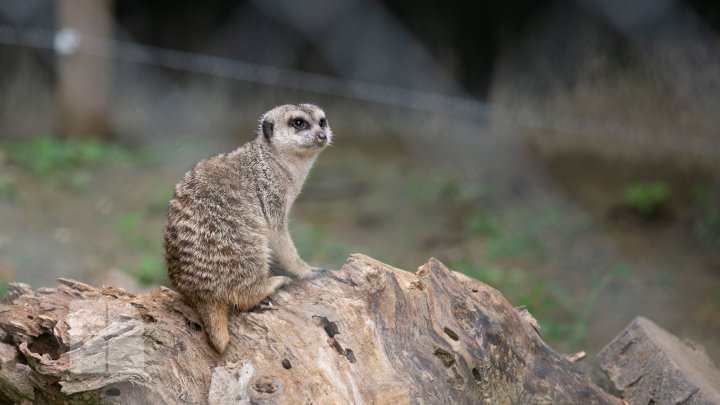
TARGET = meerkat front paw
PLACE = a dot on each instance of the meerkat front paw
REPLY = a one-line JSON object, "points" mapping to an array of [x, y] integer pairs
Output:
{"points": [[314, 272], [302, 271], [319, 272], [304, 274], [279, 281]]}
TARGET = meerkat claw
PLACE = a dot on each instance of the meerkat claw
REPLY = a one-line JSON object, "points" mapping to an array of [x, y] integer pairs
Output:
{"points": [[267, 305], [320, 272]]}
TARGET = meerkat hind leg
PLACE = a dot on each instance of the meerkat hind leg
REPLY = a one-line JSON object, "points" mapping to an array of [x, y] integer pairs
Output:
{"points": [[248, 299]]}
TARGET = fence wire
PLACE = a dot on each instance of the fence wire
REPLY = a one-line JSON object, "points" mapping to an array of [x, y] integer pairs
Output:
{"points": [[64, 42]]}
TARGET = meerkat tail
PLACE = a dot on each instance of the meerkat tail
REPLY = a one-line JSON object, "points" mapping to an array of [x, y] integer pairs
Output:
{"points": [[215, 319]]}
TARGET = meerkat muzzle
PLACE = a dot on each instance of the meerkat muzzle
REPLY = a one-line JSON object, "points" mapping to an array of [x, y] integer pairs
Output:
{"points": [[321, 138]]}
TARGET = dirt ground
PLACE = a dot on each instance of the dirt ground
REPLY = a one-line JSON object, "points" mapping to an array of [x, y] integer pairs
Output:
{"points": [[584, 272]]}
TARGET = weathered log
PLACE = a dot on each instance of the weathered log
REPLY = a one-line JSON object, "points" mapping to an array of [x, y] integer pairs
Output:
{"points": [[367, 333], [650, 366]]}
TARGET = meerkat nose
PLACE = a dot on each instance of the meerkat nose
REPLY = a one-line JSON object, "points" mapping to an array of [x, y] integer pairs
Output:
{"points": [[322, 136]]}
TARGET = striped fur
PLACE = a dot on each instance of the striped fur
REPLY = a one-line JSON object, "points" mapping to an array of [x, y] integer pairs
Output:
{"points": [[228, 218]]}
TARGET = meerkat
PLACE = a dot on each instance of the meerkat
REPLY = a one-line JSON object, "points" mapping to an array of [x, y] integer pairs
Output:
{"points": [[228, 218]]}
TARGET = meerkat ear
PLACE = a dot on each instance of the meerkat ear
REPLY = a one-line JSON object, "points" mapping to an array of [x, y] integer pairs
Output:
{"points": [[267, 128]]}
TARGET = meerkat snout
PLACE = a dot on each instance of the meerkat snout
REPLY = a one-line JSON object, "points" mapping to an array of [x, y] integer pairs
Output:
{"points": [[321, 139]]}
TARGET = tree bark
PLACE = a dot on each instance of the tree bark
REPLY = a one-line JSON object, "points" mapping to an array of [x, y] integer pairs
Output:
{"points": [[367, 333]]}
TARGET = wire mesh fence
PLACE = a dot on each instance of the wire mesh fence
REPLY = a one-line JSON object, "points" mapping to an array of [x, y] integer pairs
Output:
{"points": [[539, 188]]}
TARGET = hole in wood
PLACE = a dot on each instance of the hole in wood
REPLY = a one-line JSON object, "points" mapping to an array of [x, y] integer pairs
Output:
{"points": [[476, 375], [193, 325], [336, 345], [147, 318], [451, 333], [112, 392], [493, 338], [456, 380], [8, 340], [265, 385], [286, 364], [446, 357], [46, 343], [350, 355], [330, 327]]}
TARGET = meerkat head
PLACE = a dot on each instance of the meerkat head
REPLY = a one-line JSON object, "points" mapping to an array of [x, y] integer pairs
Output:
{"points": [[301, 129]]}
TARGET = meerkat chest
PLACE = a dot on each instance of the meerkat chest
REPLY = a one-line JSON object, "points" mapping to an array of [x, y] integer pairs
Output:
{"points": [[292, 193], [290, 197], [298, 176], [287, 183]]}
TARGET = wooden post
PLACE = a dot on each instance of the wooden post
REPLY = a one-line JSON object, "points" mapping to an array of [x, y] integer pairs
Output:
{"points": [[84, 80]]}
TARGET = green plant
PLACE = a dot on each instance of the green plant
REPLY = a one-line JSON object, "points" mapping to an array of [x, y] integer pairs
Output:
{"points": [[45, 154], [519, 286], [159, 199], [481, 225], [66, 162], [433, 188], [509, 244], [646, 198], [314, 246], [546, 302], [707, 226], [446, 188], [579, 329], [129, 226], [8, 188], [514, 239], [6, 277], [150, 270], [4, 287]]}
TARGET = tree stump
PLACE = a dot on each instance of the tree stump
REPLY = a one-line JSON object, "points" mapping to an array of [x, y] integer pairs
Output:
{"points": [[650, 366], [368, 333]]}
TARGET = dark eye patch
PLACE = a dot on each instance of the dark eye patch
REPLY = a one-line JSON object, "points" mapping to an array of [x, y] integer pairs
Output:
{"points": [[323, 122], [298, 123]]}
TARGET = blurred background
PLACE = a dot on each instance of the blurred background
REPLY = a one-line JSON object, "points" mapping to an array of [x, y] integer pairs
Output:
{"points": [[566, 152]]}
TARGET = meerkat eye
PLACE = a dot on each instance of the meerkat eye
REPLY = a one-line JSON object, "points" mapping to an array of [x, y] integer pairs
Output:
{"points": [[297, 123], [323, 123]]}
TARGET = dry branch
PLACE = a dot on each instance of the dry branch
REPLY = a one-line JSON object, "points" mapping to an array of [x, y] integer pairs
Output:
{"points": [[367, 333]]}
